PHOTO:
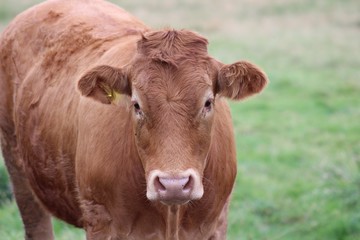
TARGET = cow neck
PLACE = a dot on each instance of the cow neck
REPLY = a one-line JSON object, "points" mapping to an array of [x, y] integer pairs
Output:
{"points": [[172, 222]]}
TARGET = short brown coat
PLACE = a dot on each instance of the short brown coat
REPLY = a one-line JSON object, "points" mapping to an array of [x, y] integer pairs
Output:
{"points": [[78, 156]]}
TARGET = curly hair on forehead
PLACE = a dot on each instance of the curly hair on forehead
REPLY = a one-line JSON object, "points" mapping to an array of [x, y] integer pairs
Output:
{"points": [[172, 46]]}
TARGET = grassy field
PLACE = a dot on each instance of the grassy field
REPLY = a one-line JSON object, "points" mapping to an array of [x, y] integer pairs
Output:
{"points": [[298, 143]]}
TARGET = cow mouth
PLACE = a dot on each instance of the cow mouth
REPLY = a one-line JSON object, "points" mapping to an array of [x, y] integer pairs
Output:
{"points": [[174, 202]]}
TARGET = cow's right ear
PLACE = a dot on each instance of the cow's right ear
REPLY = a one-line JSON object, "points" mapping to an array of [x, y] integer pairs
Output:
{"points": [[104, 84]]}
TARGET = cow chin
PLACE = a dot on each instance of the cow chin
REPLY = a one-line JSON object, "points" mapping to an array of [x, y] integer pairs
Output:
{"points": [[174, 188]]}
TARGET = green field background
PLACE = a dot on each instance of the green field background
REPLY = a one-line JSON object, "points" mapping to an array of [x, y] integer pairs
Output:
{"points": [[298, 143]]}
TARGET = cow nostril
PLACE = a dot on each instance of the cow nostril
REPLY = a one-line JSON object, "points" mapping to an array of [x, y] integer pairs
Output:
{"points": [[189, 185], [158, 185]]}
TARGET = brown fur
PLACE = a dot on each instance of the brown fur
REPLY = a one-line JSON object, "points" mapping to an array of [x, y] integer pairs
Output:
{"points": [[171, 46], [87, 162]]}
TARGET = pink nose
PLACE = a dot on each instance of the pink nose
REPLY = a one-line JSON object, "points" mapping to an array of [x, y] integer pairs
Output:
{"points": [[173, 190]]}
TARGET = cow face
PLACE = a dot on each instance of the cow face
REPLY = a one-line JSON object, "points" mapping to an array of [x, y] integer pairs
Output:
{"points": [[173, 84]]}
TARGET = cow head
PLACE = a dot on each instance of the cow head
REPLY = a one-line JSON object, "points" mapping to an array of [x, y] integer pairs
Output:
{"points": [[173, 85]]}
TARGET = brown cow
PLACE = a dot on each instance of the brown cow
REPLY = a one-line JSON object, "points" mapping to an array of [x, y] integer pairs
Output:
{"points": [[116, 128]]}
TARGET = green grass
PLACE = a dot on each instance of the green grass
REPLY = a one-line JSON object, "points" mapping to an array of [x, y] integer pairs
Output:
{"points": [[11, 226], [298, 143]]}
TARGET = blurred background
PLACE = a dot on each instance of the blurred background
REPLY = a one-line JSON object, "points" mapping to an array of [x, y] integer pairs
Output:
{"points": [[298, 143]]}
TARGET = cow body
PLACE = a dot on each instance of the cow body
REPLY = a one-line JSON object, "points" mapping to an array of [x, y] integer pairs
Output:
{"points": [[98, 161]]}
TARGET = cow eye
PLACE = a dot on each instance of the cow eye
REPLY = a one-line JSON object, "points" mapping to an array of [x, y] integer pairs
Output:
{"points": [[136, 107], [208, 105]]}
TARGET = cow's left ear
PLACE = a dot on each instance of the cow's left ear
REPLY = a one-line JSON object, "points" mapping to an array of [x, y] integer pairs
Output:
{"points": [[104, 84], [240, 80]]}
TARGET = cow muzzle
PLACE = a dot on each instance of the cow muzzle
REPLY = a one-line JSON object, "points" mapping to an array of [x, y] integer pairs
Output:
{"points": [[173, 189]]}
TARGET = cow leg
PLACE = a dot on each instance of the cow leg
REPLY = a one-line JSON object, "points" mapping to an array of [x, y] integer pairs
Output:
{"points": [[37, 222]]}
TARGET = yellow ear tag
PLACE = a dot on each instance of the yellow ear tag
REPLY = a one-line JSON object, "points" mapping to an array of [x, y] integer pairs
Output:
{"points": [[113, 96]]}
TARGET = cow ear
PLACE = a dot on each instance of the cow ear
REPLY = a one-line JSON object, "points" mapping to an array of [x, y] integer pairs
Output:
{"points": [[104, 84], [240, 80]]}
